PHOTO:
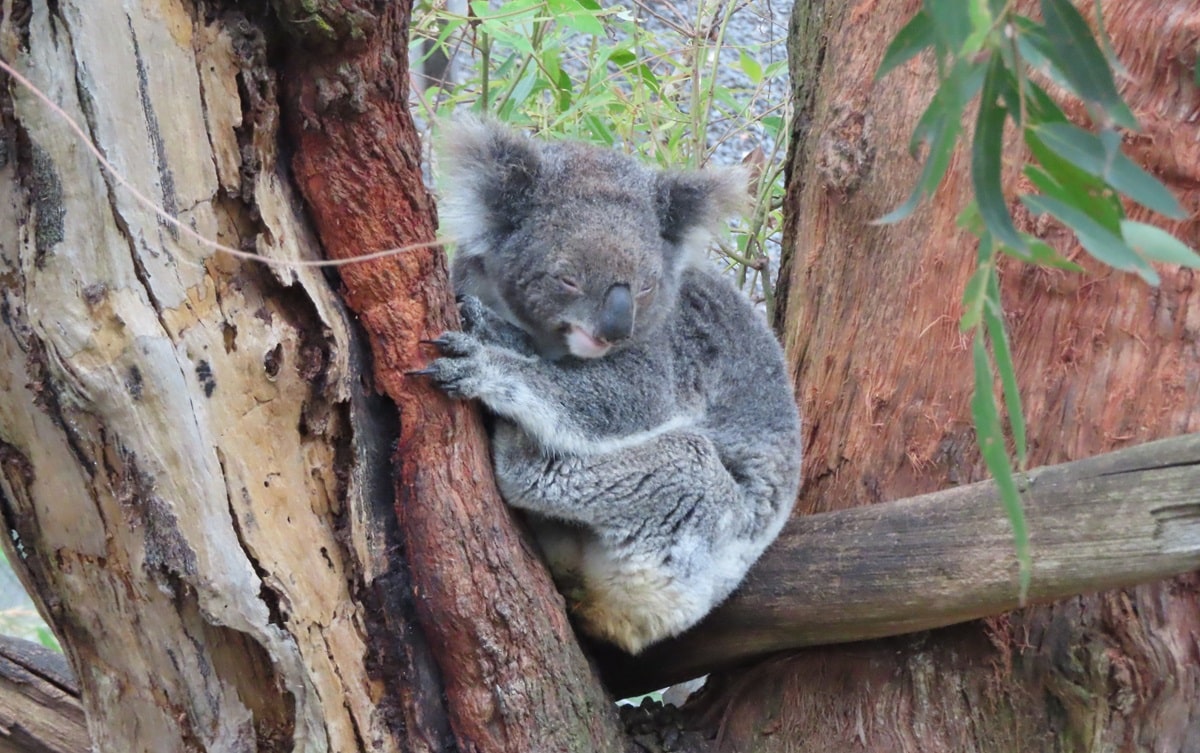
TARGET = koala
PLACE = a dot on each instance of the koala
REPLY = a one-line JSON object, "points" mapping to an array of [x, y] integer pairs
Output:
{"points": [[643, 415]]}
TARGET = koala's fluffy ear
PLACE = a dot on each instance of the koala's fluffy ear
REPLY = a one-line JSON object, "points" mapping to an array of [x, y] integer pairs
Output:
{"points": [[487, 173], [693, 205]]}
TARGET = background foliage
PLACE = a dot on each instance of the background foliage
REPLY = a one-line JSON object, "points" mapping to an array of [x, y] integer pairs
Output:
{"points": [[669, 86]]}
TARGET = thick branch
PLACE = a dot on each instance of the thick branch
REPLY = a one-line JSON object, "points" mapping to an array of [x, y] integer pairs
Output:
{"points": [[1114, 520], [39, 701]]}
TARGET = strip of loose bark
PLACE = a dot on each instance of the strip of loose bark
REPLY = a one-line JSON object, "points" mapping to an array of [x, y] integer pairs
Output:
{"points": [[1114, 520], [39, 701]]}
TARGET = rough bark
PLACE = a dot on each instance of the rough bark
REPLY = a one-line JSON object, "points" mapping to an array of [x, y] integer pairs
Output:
{"points": [[884, 380], [193, 461], [39, 701]]}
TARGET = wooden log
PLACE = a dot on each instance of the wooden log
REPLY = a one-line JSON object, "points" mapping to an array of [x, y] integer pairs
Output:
{"points": [[39, 701], [1118, 519]]}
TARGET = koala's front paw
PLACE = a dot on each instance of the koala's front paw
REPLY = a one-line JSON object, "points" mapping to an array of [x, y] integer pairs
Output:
{"points": [[474, 315], [489, 327], [460, 371]]}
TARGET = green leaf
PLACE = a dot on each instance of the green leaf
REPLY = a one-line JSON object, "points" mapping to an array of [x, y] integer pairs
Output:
{"points": [[951, 22], [47, 638], [974, 296], [1157, 244], [1089, 153], [981, 27], [750, 67], [940, 149], [991, 446], [986, 151], [993, 318], [1043, 254], [916, 35], [1037, 50], [574, 15], [1098, 240], [939, 126], [1073, 49], [1099, 207]]}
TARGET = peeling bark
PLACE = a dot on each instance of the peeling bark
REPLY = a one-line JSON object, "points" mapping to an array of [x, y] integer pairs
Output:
{"points": [[183, 436]]}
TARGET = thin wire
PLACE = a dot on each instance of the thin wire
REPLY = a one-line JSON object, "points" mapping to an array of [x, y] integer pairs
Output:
{"points": [[185, 229]]}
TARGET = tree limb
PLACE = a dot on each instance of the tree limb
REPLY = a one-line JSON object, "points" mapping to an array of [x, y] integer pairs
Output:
{"points": [[1113, 520], [39, 701]]}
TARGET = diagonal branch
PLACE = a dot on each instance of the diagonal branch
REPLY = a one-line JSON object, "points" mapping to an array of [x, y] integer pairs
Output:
{"points": [[1114, 520], [39, 701]]}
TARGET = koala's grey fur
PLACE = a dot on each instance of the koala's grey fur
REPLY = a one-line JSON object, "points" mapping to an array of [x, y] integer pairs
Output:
{"points": [[644, 414]]}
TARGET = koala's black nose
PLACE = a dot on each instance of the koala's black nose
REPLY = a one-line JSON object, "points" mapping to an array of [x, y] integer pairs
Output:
{"points": [[616, 316]]}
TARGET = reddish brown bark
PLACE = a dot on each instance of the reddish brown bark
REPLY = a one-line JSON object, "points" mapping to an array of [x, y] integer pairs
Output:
{"points": [[884, 380], [486, 606]]}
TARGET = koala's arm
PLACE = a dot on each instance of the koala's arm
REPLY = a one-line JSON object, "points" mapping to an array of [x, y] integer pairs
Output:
{"points": [[566, 410]]}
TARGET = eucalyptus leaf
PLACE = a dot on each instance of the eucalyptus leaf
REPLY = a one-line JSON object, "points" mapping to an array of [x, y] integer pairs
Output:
{"points": [[1098, 240], [916, 35], [991, 446], [974, 296], [951, 22], [1073, 49], [993, 318], [987, 149], [1157, 244], [1089, 153]]}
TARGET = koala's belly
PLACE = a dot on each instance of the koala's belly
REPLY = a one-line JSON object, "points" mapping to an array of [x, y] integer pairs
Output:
{"points": [[613, 597]]}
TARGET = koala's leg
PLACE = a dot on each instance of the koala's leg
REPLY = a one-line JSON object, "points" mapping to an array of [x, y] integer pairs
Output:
{"points": [[675, 531]]}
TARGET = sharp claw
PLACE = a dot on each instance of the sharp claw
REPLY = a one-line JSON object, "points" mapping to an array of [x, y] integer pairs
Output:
{"points": [[420, 372], [438, 342]]}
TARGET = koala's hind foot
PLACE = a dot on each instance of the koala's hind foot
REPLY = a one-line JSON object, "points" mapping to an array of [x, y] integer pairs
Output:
{"points": [[634, 608]]}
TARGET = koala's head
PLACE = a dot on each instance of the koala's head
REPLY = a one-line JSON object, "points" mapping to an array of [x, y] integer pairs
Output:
{"points": [[581, 247]]}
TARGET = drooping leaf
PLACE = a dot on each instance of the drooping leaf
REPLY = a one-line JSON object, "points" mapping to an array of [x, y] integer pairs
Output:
{"points": [[1061, 179], [916, 35], [1089, 153], [1098, 240], [974, 296], [1157, 244], [1037, 50], [1043, 254], [951, 22], [1100, 208], [991, 446], [986, 151], [939, 127], [1073, 49], [993, 318]]}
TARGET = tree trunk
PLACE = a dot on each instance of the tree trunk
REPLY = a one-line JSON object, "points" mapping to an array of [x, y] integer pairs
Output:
{"points": [[194, 472], [884, 379]]}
